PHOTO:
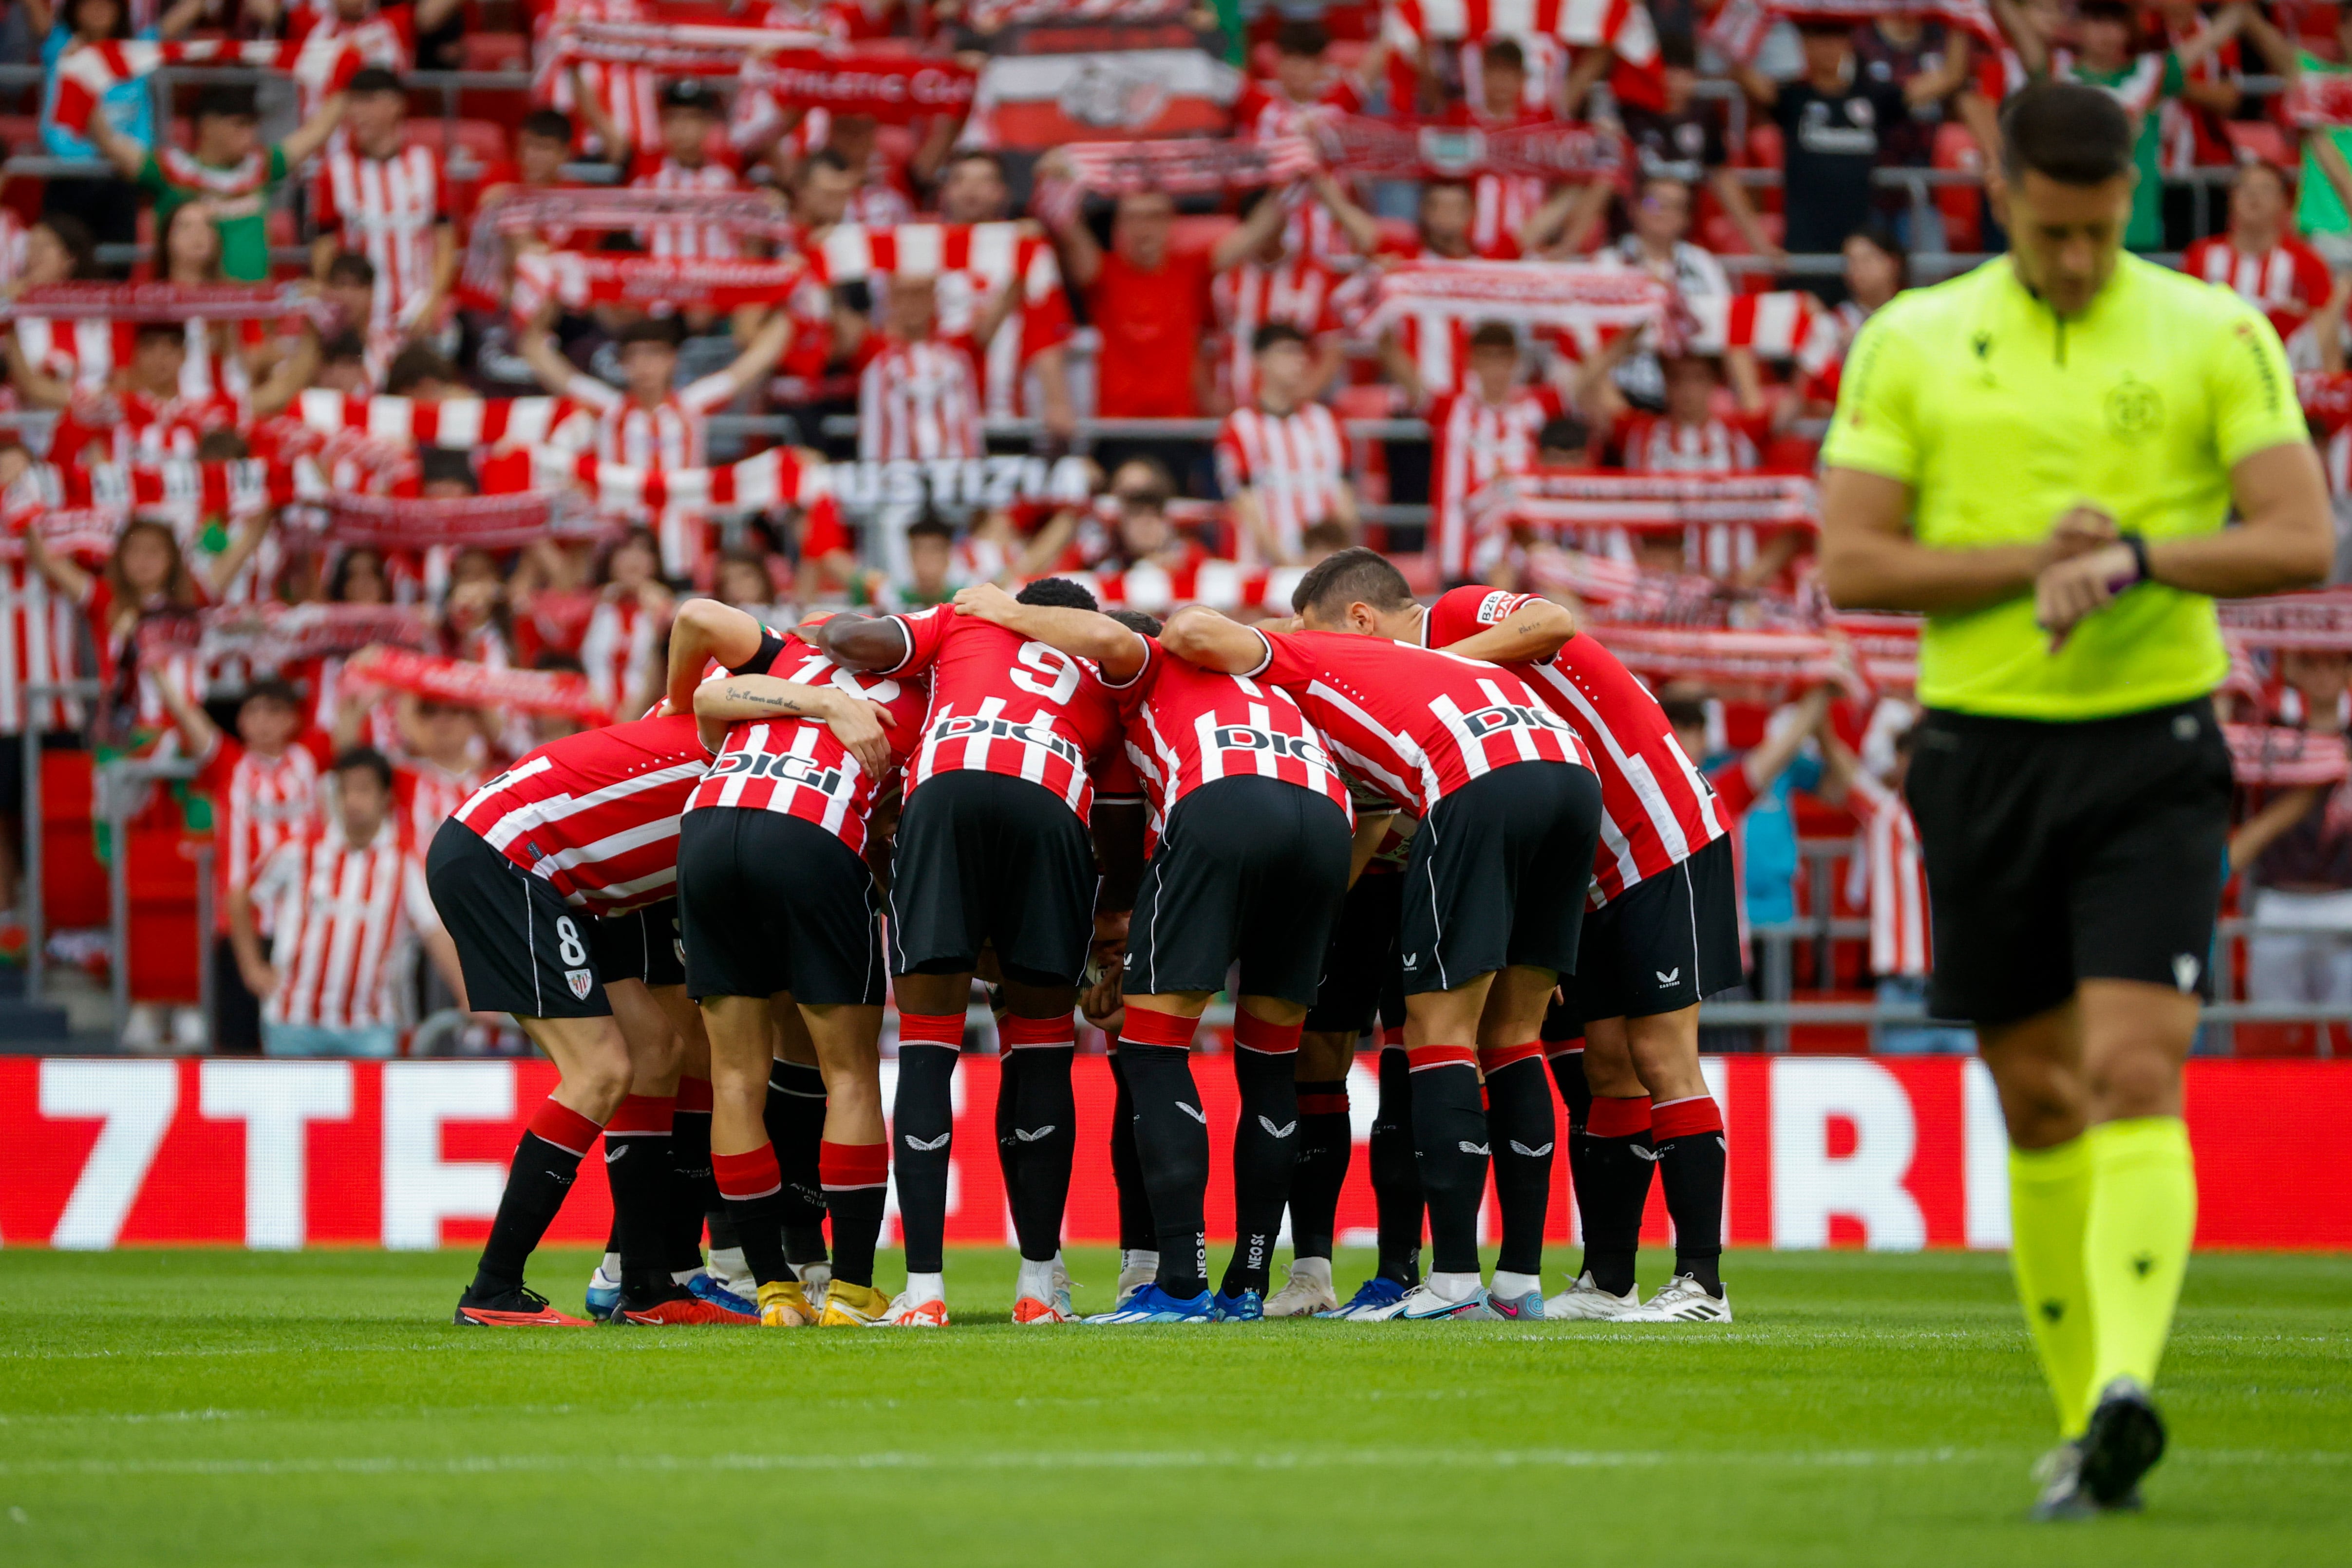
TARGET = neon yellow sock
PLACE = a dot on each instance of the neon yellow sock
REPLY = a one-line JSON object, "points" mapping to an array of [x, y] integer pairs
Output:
{"points": [[2049, 1195], [2136, 1242]]}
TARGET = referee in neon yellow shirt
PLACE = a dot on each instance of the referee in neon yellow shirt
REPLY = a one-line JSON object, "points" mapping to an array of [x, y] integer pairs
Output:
{"points": [[2042, 455]]}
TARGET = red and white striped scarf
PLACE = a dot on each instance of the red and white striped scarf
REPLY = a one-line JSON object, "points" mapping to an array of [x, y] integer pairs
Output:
{"points": [[1622, 25], [1774, 326], [1371, 148], [159, 302], [276, 634], [417, 522], [773, 479], [1660, 502], [577, 279], [470, 684], [223, 489], [893, 87], [2283, 755], [463, 424], [2319, 621], [1564, 295], [1188, 166], [88, 72], [2320, 99]]}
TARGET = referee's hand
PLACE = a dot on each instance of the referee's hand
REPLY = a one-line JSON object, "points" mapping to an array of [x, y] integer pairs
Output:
{"points": [[2067, 590]]}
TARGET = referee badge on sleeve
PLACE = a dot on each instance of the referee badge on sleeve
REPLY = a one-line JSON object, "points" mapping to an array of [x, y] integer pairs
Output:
{"points": [[579, 980]]}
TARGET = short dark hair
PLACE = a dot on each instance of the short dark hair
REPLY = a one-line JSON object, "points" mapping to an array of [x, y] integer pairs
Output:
{"points": [[350, 269], [223, 446], [824, 158], [930, 526], [1494, 335], [660, 329], [79, 243], [345, 345], [435, 465], [271, 689], [373, 79], [1684, 713], [2068, 132], [1274, 332], [369, 758], [972, 155], [550, 123], [1504, 52], [1301, 35], [1355, 575], [227, 100], [556, 661], [1677, 51], [168, 331], [1162, 483], [1137, 622], [415, 365], [1566, 434], [1430, 187], [1056, 593], [1877, 233]]}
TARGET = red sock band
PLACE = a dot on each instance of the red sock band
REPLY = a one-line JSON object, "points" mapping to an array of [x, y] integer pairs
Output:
{"points": [[1017, 1033], [1612, 1117], [694, 1094], [1253, 1033], [1495, 1058], [1681, 1118], [843, 1166], [748, 1176], [1392, 1039], [1145, 1027], [1323, 1104], [1555, 1048], [1424, 1057], [644, 1115], [931, 1028], [565, 1128]]}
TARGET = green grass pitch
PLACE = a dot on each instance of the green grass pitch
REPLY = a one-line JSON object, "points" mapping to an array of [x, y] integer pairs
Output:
{"points": [[200, 1407]]}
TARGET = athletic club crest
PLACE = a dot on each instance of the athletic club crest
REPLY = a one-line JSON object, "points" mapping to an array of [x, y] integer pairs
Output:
{"points": [[579, 980], [1113, 94]]}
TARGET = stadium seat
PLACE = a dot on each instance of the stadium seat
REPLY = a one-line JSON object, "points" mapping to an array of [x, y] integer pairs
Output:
{"points": [[165, 945], [1962, 206], [20, 132], [481, 141], [1765, 150], [495, 52], [73, 882]]}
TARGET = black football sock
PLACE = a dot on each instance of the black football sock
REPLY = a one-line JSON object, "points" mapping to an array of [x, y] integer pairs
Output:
{"points": [[1617, 1161], [1135, 1232], [1566, 1060], [1044, 1140], [1265, 1146], [856, 1179], [1171, 1138], [1449, 1144], [794, 1114], [1396, 1176], [695, 1198], [922, 1125], [1688, 1134], [1327, 1140], [637, 1165], [1519, 1116], [754, 1185], [546, 1163]]}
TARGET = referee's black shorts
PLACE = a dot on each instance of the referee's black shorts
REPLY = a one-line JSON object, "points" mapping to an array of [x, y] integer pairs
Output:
{"points": [[1497, 874], [1250, 870], [986, 858], [2058, 853]]}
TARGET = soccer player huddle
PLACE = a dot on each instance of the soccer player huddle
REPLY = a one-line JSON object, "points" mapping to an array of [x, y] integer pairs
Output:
{"points": [[1465, 828]]}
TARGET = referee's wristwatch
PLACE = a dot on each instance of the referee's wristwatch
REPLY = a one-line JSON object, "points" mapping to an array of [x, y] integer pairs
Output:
{"points": [[2139, 572]]}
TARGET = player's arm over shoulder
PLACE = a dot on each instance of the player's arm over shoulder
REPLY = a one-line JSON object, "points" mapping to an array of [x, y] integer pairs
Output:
{"points": [[1202, 636], [871, 643]]}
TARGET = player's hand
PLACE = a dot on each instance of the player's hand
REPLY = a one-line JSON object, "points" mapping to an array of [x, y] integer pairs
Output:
{"points": [[2067, 590], [858, 725], [986, 601], [1102, 1005]]}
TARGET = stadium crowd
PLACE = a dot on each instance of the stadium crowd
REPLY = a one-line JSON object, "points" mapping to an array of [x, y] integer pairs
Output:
{"points": [[488, 390]]}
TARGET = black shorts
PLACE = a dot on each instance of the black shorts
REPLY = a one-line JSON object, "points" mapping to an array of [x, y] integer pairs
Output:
{"points": [[2061, 853], [986, 858], [523, 951], [644, 945], [1249, 869], [1661, 944], [1362, 985], [769, 903], [1498, 875]]}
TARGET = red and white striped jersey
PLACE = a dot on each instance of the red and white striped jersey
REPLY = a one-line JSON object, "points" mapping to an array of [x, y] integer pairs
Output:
{"points": [[1265, 111], [797, 766], [386, 36], [1415, 724], [1296, 291], [627, 92], [1655, 810], [389, 209], [669, 436], [344, 914], [995, 257], [663, 173], [258, 803], [2286, 282], [432, 794], [596, 814], [1653, 444], [1473, 441], [1437, 341], [85, 352], [918, 400], [40, 640], [1194, 727], [1889, 876], [1002, 703], [620, 649], [1295, 464]]}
